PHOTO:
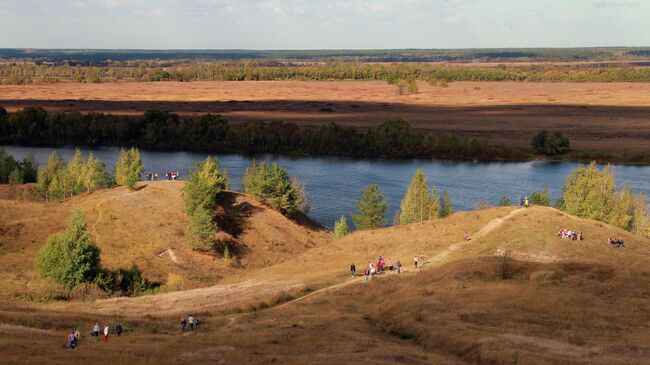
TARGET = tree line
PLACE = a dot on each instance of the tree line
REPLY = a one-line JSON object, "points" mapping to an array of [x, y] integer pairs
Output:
{"points": [[395, 138], [420, 203], [588, 192], [58, 179], [270, 71]]}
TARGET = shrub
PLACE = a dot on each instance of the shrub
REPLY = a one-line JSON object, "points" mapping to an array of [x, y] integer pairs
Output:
{"points": [[504, 201], [341, 228], [70, 257], [550, 144], [540, 197]]}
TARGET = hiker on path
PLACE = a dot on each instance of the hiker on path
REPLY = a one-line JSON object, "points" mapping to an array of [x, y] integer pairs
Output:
{"points": [[183, 324], [526, 203], [95, 331], [76, 336], [390, 264], [191, 321], [106, 334], [399, 266], [465, 236], [422, 261], [71, 341], [353, 269], [118, 329], [415, 260], [367, 273]]}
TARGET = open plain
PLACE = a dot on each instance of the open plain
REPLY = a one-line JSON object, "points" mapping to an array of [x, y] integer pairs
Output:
{"points": [[595, 116]]}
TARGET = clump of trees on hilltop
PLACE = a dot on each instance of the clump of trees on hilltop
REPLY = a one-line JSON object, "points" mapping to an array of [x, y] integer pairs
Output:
{"points": [[591, 193], [275, 187], [59, 180]]}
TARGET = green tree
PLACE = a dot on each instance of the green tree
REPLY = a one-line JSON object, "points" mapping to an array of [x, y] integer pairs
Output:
{"points": [[16, 177], [412, 86], [540, 197], [30, 168], [94, 175], [434, 208], [371, 207], [622, 210], [202, 229], [640, 219], [589, 192], [129, 167], [207, 179], [416, 205], [504, 201], [273, 185], [446, 207], [341, 228], [550, 144], [75, 172], [49, 173], [70, 257]]}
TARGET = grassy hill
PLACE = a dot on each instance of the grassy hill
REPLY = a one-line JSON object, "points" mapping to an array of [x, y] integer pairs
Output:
{"points": [[148, 227], [564, 302]]}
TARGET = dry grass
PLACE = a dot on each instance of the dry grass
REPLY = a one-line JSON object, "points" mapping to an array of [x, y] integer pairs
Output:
{"points": [[147, 227], [594, 115], [567, 302]]}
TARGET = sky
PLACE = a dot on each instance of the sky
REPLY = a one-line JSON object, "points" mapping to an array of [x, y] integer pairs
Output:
{"points": [[326, 24]]}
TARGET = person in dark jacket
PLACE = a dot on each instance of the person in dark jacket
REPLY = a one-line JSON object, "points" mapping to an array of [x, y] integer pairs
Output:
{"points": [[353, 269]]}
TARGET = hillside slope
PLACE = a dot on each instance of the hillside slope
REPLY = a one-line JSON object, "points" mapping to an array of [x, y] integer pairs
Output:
{"points": [[569, 302], [148, 227]]}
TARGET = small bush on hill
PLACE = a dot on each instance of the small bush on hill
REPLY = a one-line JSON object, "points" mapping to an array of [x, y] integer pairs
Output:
{"points": [[540, 197], [341, 228]]}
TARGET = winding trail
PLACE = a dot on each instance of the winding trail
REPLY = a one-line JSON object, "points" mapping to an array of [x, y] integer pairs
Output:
{"points": [[99, 217], [489, 227]]}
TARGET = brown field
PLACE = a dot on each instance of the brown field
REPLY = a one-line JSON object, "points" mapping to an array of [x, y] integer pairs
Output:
{"points": [[607, 116], [566, 302]]}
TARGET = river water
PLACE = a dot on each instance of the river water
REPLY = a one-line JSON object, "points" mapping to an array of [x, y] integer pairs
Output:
{"points": [[333, 184]]}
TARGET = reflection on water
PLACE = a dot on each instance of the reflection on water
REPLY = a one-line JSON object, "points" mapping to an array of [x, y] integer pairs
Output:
{"points": [[333, 184]]}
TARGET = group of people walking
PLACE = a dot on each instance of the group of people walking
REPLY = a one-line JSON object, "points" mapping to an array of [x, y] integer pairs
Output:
{"points": [[191, 321], [382, 265], [74, 335]]}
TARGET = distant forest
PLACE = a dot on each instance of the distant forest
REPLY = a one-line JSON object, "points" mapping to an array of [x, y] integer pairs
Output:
{"points": [[94, 57], [22, 66], [257, 71], [395, 138]]}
